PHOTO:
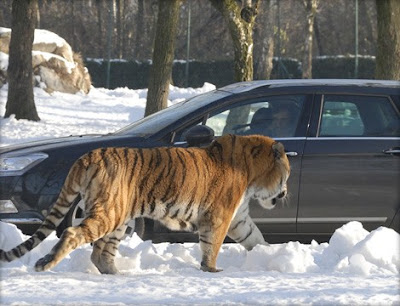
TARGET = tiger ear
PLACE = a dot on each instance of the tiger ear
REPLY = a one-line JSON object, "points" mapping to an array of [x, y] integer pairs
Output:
{"points": [[278, 150]]}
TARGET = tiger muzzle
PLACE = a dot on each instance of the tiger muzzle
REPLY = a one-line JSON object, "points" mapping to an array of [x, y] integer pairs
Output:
{"points": [[280, 196]]}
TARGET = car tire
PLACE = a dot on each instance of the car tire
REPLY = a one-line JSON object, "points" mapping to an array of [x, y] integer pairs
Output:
{"points": [[76, 215]]}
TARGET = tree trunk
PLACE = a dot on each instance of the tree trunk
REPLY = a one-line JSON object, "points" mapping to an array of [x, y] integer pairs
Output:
{"points": [[125, 30], [76, 8], [20, 100], [318, 37], [100, 21], [311, 9], [119, 24], [163, 56], [140, 29], [265, 34], [240, 23], [388, 49]]}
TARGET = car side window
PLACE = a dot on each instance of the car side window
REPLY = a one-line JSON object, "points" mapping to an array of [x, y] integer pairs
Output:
{"points": [[276, 116], [358, 116]]}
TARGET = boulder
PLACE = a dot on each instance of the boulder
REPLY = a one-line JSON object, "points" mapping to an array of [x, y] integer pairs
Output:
{"points": [[55, 66]]}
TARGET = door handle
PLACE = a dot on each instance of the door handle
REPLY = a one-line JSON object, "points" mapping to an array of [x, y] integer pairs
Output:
{"points": [[394, 151], [291, 153]]}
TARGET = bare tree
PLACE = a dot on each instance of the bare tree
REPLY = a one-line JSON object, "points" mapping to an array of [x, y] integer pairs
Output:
{"points": [[311, 9], [240, 18], [163, 56], [20, 100], [388, 50], [140, 28], [100, 22], [119, 12], [264, 33]]}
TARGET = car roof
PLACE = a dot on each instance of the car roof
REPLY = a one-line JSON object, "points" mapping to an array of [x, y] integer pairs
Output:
{"points": [[251, 85]]}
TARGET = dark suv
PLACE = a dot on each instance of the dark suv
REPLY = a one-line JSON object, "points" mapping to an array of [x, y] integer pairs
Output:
{"points": [[342, 138]]}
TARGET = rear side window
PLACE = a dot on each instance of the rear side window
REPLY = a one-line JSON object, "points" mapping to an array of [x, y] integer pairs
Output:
{"points": [[358, 116]]}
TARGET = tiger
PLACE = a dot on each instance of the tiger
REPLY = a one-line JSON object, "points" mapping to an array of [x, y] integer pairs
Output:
{"points": [[205, 190]]}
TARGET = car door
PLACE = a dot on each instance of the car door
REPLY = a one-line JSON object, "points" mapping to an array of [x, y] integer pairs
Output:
{"points": [[350, 168], [256, 116]]}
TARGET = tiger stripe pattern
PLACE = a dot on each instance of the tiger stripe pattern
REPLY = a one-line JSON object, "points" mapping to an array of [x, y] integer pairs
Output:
{"points": [[194, 189]]}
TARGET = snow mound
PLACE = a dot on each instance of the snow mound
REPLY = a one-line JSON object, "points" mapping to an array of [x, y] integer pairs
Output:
{"points": [[379, 251], [353, 269], [351, 250], [292, 257]]}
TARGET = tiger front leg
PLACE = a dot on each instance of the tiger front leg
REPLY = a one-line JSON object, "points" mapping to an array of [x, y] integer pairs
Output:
{"points": [[211, 237]]}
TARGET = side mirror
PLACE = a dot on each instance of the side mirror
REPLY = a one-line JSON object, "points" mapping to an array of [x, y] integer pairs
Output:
{"points": [[199, 135]]}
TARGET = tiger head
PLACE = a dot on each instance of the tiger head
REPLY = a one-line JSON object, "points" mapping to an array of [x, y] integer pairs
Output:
{"points": [[269, 169]]}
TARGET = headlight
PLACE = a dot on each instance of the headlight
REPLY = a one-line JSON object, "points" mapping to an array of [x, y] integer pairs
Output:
{"points": [[18, 165], [7, 207]]}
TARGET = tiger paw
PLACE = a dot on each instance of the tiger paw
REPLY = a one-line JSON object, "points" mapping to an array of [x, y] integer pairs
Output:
{"points": [[111, 269], [210, 269], [42, 263]]}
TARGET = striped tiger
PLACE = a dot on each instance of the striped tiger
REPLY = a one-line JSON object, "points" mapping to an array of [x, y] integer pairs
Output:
{"points": [[194, 189]]}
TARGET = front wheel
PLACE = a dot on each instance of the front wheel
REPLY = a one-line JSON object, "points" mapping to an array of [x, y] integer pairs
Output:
{"points": [[76, 215]]}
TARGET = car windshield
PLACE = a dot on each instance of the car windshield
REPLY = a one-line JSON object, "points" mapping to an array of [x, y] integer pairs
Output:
{"points": [[160, 120]]}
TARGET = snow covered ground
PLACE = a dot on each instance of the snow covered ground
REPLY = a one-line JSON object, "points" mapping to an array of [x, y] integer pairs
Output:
{"points": [[356, 267], [101, 111]]}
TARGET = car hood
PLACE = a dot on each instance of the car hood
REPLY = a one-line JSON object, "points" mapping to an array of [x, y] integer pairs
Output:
{"points": [[54, 143]]}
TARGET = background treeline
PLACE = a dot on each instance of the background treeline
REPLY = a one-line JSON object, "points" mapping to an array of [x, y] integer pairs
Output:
{"points": [[85, 25]]}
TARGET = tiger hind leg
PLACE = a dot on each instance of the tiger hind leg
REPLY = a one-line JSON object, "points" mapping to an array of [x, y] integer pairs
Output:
{"points": [[72, 238], [244, 231], [104, 251]]}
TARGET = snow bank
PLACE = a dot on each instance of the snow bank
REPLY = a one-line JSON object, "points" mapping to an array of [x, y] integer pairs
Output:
{"points": [[355, 267], [351, 250]]}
